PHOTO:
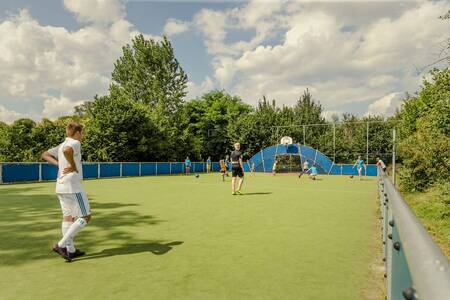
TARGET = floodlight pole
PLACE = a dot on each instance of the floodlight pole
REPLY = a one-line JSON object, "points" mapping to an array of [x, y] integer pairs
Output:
{"points": [[334, 142], [304, 134], [393, 156], [367, 142]]}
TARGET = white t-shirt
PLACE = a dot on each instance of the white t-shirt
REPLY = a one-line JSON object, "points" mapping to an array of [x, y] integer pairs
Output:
{"points": [[68, 183], [306, 165], [381, 164]]}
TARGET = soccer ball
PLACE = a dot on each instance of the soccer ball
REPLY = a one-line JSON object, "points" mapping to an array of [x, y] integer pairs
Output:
{"points": [[197, 176]]}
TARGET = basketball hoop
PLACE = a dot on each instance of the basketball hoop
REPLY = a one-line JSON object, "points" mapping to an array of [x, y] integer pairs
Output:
{"points": [[286, 140]]}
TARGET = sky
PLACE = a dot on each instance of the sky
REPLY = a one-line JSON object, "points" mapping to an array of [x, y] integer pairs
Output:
{"points": [[354, 56]]}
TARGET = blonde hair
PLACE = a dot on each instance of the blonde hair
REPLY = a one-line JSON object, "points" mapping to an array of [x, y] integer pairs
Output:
{"points": [[73, 128]]}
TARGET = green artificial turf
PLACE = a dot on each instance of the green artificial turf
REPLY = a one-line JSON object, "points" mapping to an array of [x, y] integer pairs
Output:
{"points": [[177, 237]]}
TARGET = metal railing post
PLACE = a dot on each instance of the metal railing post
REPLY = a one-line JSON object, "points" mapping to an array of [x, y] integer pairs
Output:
{"points": [[1, 173], [262, 159], [40, 172], [98, 170], [140, 169]]}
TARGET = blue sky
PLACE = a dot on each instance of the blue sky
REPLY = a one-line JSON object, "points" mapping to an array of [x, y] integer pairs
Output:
{"points": [[358, 57]]}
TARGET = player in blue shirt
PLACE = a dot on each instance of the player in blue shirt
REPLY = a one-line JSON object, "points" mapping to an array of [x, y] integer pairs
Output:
{"points": [[359, 164], [208, 165], [187, 164], [313, 172]]}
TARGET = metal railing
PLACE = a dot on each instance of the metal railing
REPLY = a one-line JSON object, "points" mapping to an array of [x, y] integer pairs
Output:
{"points": [[415, 266]]}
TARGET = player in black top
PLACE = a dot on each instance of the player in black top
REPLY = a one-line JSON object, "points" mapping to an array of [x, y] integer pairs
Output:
{"points": [[237, 169]]}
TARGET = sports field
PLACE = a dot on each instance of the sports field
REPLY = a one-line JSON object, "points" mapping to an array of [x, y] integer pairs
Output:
{"points": [[178, 237]]}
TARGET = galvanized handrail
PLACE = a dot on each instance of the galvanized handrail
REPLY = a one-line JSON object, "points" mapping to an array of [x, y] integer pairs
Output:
{"points": [[427, 266]]}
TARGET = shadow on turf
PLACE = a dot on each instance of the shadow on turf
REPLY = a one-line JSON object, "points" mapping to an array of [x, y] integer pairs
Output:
{"points": [[30, 223], [255, 194], [156, 248]]}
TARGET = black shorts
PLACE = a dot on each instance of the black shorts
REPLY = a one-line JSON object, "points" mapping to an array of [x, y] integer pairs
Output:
{"points": [[237, 172]]}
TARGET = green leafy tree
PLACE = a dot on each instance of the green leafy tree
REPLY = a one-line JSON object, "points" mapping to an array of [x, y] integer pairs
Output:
{"points": [[148, 73], [424, 124], [119, 129], [210, 123], [18, 144]]}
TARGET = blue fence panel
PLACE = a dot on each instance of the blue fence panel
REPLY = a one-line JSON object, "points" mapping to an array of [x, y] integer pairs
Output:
{"points": [[308, 152], [292, 149], [324, 162], [247, 166], [336, 170], [321, 170], [349, 170], [371, 170], [177, 168], [163, 168], [130, 169], [197, 167], [20, 172], [216, 167], [49, 172], [109, 170], [269, 156], [90, 170], [148, 169]]}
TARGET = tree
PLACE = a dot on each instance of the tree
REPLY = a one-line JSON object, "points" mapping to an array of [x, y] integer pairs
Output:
{"points": [[119, 129], [148, 73], [210, 123], [424, 123], [18, 143], [48, 134]]}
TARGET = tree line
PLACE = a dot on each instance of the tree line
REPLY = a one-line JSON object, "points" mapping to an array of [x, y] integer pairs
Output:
{"points": [[144, 117]]}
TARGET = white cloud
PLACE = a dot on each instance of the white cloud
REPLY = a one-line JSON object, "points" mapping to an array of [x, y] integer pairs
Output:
{"points": [[330, 115], [96, 11], [9, 116], [258, 16], [341, 67], [74, 65], [57, 107], [195, 90], [174, 27], [385, 106]]}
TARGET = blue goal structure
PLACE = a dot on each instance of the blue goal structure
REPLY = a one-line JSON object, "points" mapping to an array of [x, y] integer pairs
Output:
{"points": [[296, 155]]}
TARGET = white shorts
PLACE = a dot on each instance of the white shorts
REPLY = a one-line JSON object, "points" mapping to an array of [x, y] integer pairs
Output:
{"points": [[75, 205]]}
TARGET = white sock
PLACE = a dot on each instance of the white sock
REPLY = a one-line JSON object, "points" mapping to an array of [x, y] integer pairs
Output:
{"points": [[73, 230], [70, 244]]}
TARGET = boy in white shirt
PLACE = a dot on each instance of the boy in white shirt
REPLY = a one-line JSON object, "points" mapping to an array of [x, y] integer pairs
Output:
{"points": [[69, 189]]}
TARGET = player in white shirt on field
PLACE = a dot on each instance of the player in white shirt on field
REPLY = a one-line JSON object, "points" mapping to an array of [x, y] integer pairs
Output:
{"points": [[69, 189]]}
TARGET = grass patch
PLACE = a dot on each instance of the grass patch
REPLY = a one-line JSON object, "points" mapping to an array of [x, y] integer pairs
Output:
{"points": [[433, 210], [178, 237]]}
